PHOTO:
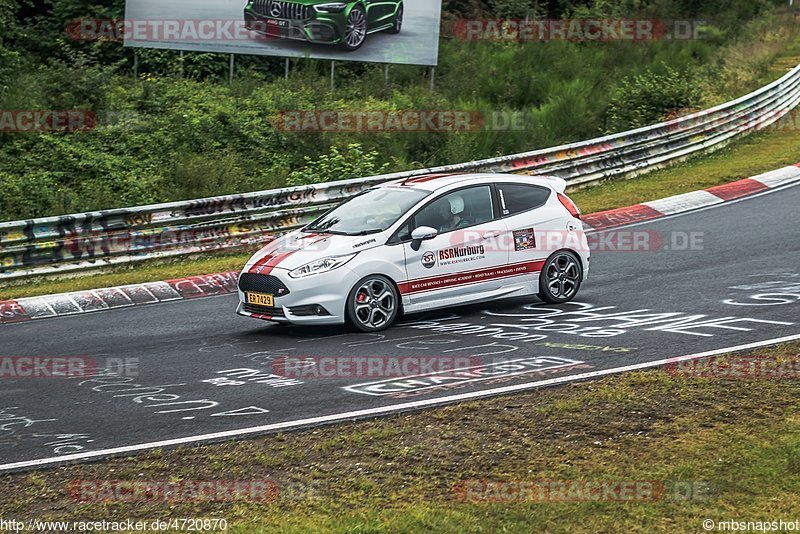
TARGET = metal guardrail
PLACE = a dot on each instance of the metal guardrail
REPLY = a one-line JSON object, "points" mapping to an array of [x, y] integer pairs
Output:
{"points": [[89, 240]]}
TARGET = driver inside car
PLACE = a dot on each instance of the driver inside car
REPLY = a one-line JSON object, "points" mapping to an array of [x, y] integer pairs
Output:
{"points": [[456, 216]]}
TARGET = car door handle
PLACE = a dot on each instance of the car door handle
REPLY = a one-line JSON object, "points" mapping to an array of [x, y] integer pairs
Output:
{"points": [[491, 235]]}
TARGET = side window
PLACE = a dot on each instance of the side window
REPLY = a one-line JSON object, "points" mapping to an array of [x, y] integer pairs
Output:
{"points": [[403, 233], [516, 198], [459, 209]]}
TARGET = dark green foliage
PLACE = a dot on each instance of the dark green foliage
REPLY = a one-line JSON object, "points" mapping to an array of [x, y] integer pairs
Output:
{"points": [[649, 97]]}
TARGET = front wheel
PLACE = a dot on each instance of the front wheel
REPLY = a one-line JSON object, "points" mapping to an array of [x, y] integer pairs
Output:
{"points": [[373, 304], [356, 31], [560, 278]]}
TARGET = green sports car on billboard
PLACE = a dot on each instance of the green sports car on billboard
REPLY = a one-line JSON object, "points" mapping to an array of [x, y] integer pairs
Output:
{"points": [[324, 22]]}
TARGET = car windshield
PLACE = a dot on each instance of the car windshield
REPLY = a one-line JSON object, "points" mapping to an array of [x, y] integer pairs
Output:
{"points": [[370, 212]]}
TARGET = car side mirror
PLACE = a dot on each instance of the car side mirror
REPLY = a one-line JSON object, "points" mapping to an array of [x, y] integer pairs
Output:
{"points": [[423, 233]]}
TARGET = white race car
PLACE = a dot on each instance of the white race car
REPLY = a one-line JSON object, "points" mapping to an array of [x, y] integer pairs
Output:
{"points": [[422, 243]]}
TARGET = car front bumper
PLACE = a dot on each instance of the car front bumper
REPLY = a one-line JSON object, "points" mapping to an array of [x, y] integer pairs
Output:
{"points": [[320, 29], [328, 290]]}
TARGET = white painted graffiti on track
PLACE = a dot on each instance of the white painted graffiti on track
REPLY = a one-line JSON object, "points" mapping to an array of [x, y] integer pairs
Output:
{"points": [[777, 290], [537, 322], [10, 420], [160, 397], [480, 373]]}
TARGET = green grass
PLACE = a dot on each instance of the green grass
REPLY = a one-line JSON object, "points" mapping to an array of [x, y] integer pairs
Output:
{"points": [[737, 441]]}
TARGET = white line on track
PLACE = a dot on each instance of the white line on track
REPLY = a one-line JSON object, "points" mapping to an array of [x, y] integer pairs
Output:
{"points": [[384, 410]]}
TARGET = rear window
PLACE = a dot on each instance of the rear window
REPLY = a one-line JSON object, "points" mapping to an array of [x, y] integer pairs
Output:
{"points": [[517, 198]]}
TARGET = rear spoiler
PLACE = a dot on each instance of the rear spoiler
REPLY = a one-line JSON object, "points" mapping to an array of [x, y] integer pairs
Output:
{"points": [[559, 184]]}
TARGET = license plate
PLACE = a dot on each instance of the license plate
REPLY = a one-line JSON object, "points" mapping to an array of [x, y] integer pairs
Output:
{"points": [[260, 299], [277, 23]]}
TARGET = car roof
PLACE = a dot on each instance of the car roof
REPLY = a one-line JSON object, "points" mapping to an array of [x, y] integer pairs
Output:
{"points": [[435, 182]]}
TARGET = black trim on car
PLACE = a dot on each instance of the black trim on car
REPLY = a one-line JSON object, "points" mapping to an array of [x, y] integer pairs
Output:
{"points": [[499, 207]]}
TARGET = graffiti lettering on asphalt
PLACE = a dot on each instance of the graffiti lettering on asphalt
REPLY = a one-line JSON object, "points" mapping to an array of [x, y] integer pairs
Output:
{"points": [[572, 346], [65, 443], [10, 421], [783, 289], [575, 321], [480, 373], [161, 397], [238, 377]]}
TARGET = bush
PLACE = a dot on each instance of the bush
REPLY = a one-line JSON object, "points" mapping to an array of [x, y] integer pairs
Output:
{"points": [[341, 164], [650, 97]]}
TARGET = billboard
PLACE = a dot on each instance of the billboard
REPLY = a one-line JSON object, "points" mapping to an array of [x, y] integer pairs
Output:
{"points": [[382, 31]]}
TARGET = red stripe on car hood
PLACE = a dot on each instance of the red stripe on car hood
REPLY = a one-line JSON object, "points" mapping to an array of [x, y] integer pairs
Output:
{"points": [[266, 264]]}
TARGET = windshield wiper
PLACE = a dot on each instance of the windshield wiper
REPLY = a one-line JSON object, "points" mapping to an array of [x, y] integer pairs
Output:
{"points": [[323, 231], [367, 232]]}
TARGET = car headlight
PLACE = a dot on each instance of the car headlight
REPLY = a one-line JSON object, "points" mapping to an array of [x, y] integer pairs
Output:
{"points": [[333, 7], [321, 266]]}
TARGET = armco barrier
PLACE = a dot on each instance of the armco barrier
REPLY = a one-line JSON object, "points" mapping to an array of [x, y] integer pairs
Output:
{"points": [[84, 241]]}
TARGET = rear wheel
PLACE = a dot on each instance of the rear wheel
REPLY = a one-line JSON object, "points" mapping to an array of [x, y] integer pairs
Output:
{"points": [[373, 304], [560, 279], [398, 21]]}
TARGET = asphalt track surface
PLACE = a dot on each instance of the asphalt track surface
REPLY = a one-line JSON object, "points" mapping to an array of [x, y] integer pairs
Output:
{"points": [[191, 370]]}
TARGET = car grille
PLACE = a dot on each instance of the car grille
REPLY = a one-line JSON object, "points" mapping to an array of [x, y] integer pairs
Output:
{"points": [[264, 310], [281, 10], [262, 283]]}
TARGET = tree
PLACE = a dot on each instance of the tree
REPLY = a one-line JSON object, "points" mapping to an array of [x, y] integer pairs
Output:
{"points": [[10, 31]]}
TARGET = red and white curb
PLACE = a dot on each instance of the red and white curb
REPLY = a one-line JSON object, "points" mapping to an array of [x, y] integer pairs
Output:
{"points": [[27, 309], [664, 207]]}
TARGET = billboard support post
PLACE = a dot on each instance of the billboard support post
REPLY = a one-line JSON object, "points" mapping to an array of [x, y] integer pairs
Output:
{"points": [[386, 73], [136, 63], [333, 75], [433, 78], [181, 61], [286, 74], [230, 72]]}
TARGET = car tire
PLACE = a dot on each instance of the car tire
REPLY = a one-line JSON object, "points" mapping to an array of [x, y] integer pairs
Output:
{"points": [[356, 31], [398, 21], [561, 277], [373, 304]]}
